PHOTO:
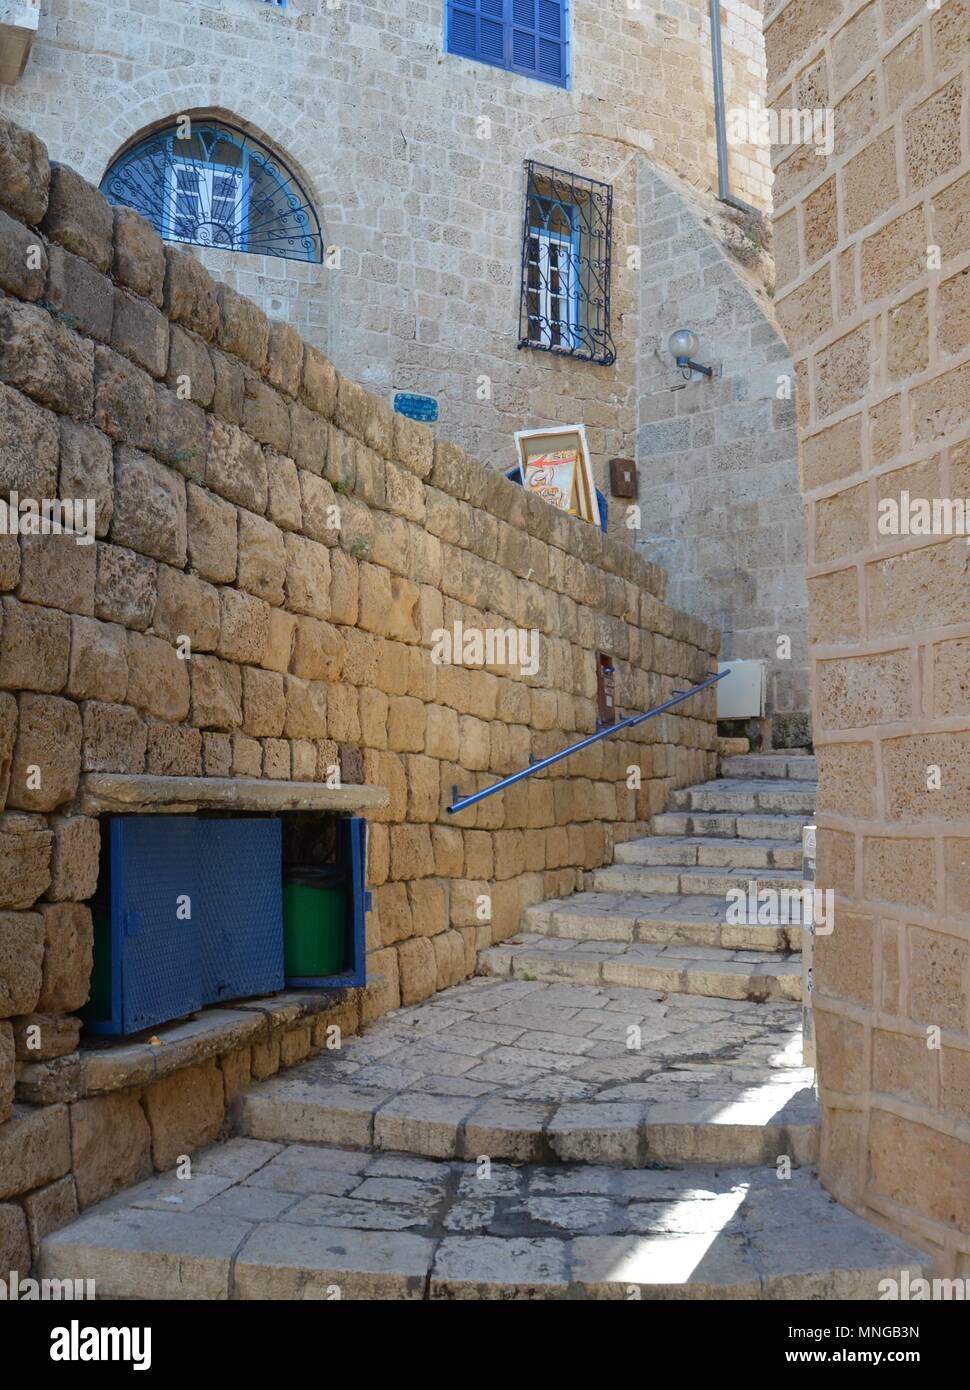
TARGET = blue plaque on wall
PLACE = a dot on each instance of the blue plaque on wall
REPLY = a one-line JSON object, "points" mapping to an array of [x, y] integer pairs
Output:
{"points": [[416, 407]]}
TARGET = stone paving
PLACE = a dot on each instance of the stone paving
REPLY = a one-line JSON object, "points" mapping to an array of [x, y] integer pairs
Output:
{"points": [[261, 1220], [527, 1070]]}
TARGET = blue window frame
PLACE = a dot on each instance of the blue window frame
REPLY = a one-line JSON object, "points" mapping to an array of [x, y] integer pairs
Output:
{"points": [[206, 183], [530, 37]]}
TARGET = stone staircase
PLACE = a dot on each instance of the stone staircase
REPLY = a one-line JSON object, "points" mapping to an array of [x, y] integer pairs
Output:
{"points": [[614, 1107]]}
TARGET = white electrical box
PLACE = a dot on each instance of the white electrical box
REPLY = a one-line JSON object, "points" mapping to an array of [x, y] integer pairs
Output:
{"points": [[741, 695]]}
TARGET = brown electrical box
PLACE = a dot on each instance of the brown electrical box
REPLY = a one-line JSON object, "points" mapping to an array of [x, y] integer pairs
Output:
{"points": [[623, 478], [605, 689]]}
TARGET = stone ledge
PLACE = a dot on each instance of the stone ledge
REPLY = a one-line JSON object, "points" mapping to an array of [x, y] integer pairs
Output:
{"points": [[107, 791], [115, 1064]]}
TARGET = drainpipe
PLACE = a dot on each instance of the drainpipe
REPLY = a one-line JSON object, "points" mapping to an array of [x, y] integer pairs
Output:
{"points": [[720, 125]]}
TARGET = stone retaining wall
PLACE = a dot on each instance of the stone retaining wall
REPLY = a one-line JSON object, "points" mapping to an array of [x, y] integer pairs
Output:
{"points": [[309, 544]]}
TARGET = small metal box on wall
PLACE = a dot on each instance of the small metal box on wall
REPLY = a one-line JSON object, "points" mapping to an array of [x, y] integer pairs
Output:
{"points": [[605, 689], [623, 478]]}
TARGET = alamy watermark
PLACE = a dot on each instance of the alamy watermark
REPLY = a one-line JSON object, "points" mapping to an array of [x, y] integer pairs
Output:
{"points": [[923, 516], [50, 516], [751, 906], [755, 124], [490, 646]]}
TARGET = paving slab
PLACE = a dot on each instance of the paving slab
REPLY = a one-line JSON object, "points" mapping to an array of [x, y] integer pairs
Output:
{"points": [[419, 1229]]}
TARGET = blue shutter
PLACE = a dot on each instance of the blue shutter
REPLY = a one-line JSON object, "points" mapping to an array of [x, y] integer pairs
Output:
{"points": [[525, 36]]}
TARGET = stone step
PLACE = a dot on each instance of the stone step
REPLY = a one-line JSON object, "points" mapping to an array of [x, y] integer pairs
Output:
{"points": [[708, 971], [732, 747], [713, 851], [536, 1071], [657, 878], [728, 825], [690, 919], [798, 766], [264, 1220], [758, 794]]}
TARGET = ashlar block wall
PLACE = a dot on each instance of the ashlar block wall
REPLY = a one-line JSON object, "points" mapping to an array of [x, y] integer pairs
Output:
{"points": [[873, 249], [310, 544]]}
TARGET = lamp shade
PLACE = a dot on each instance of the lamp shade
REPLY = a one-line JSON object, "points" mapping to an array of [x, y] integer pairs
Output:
{"points": [[683, 343]]}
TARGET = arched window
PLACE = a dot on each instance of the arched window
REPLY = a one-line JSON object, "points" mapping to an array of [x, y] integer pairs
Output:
{"points": [[204, 182]]}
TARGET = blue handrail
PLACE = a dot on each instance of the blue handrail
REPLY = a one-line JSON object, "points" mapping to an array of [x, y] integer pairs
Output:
{"points": [[679, 696]]}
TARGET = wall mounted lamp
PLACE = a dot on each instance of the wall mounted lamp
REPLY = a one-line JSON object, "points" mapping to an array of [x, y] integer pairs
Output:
{"points": [[682, 345]]}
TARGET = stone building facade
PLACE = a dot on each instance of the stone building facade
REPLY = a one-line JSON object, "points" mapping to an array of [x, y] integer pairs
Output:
{"points": [[275, 554], [873, 247], [413, 158]]}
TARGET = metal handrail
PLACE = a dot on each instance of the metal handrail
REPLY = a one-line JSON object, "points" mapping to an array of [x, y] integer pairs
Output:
{"points": [[678, 697]]}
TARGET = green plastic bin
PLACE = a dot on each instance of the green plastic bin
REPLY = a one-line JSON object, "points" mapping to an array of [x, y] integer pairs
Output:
{"points": [[314, 921]]}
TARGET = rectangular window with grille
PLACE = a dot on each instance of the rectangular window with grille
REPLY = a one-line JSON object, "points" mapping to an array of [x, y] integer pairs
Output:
{"points": [[566, 261], [530, 37]]}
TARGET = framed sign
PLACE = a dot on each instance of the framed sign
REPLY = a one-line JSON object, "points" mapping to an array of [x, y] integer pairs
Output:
{"points": [[416, 407], [556, 466]]}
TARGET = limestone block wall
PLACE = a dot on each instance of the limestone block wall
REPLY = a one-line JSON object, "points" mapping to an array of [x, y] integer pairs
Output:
{"points": [[276, 557], [873, 247], [413, 158]]}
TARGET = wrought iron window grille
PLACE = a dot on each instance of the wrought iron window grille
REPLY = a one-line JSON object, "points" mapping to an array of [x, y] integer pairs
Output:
{"points": [[217, 187], [564, 304]]}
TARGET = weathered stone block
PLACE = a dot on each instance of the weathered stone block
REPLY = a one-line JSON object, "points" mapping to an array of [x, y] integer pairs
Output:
{"points": [[279, 641], [68, 955], [126, 587], [318, 389], [25, 857], [34, 647], [284, 358], [74, 862], [190, 371], [244, 630], [150, 508], [262, 558], [283, 502], [216, 694], [186, 608], [81, 295], [139, 255], [235, 466], [319, 650], [28, 446], [124, 400], [79, 217], [266, 415], [140, 332], [190, 294], [418, 969], [216, 755], [44, 1037], [173, 751], [115, 738], [110, 1145], [247, 756], [306, 708], [243, 327], [276, 759], [25, 173], [23, 260], [322, 512], [158, 681], [44, 359], [309, 439], [47, 757], [263, 702], [21, 962], [211, 535], [50, 1208], [307, 576], [87, 469], [58, 571]]}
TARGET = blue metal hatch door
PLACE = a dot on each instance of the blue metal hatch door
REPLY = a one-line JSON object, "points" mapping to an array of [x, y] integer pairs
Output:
{"points": [[239, 864], [152, 910]]}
